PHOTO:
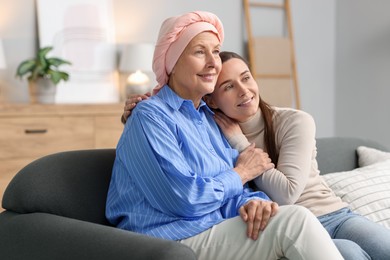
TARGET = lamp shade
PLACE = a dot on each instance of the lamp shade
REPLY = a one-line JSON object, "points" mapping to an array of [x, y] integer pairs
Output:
{"points": [[137, 56], [3, 65]]}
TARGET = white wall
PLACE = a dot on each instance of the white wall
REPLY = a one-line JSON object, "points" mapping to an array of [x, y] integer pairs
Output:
{"points": [[363, 69], [136, 21], [314, 32]]}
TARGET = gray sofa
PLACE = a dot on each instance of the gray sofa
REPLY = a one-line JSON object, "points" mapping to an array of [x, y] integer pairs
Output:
{"points": [[55, 207]]}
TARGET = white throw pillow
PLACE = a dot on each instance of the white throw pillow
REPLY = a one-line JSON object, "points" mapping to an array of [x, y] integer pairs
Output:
{"points": [[366, 189], [368, 156]]}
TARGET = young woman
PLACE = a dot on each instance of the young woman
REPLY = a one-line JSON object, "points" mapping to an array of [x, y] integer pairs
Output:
{"points": [[288, 137], [176, 177]]}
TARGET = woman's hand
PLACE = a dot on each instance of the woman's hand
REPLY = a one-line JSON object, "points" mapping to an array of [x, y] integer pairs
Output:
{"points": [[131, 102], [256, 214], [251, 163], [228, 126]]}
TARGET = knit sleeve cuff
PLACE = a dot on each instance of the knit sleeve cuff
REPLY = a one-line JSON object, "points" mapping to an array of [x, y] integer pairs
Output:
{"points": [[239, 142]]}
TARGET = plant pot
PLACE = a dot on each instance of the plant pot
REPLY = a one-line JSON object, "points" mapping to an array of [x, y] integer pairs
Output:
{"points": [[42, 91]]}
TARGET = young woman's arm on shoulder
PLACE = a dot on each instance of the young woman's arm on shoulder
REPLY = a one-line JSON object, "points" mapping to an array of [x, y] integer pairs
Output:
{"points": [[130, 104]]}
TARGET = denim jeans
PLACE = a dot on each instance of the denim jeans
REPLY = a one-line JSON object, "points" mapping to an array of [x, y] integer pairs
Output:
{"points": [[357, 237]]}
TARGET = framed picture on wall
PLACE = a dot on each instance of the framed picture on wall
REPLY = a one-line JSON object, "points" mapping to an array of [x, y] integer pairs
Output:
{"points": [[83, 32]]}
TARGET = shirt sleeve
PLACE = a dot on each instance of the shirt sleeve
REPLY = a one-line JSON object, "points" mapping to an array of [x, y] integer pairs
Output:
{"points": [[160, 170], [296, 141]]}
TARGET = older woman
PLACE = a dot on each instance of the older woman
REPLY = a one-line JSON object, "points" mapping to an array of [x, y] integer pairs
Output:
{"points": [[176, 177]]}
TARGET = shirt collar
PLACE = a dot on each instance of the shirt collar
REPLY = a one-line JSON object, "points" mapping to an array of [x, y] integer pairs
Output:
{"points": [[175, 101]]}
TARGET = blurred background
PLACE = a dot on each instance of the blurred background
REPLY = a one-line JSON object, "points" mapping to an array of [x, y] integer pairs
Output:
{"points": [[342, 53]]}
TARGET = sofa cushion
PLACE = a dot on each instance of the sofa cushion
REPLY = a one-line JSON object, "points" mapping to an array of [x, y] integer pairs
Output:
{"points": [[368, 156], [72, 184], [366, 189]]}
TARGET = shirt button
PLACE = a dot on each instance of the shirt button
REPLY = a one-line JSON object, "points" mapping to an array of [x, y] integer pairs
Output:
{"points": [[200, 122]]}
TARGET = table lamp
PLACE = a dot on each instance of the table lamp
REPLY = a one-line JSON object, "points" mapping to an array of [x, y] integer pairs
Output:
{"points": [[137, 59]]}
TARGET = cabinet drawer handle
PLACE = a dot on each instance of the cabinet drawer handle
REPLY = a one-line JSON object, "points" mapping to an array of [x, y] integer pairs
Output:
{"points": [[35, 131]]}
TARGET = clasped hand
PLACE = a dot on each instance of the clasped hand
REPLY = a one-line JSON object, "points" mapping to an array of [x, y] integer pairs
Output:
{"points": [[256, 214], [251, 163]]}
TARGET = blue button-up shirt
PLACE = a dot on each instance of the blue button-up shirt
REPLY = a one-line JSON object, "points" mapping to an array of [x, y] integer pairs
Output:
{"points": [[173, 173]]}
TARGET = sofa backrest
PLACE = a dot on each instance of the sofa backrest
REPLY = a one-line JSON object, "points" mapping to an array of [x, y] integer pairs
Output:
{"points": [[335, 154], [72, 184]]}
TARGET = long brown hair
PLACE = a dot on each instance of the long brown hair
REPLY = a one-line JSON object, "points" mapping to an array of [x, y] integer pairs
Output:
{"points": [[266, 111]]}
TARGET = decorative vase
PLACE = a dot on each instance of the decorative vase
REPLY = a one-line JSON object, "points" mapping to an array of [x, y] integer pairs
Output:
{"points": [[43, 91]]}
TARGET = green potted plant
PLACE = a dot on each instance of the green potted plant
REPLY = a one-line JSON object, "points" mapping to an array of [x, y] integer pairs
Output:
{"points": [[43, 75]]}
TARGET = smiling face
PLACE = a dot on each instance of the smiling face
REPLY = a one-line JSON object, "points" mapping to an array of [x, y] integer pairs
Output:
{"points": [[196, 71], [236, 93]]}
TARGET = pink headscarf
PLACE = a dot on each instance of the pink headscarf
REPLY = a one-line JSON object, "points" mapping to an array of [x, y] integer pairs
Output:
{"points": [[175, 34]]}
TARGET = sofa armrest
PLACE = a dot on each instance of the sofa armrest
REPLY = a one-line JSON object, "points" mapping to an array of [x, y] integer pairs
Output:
{"points": [[47, 236]]}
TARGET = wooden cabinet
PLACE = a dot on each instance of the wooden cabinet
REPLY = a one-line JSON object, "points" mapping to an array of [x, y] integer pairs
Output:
{"points": [[28, 132]]}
